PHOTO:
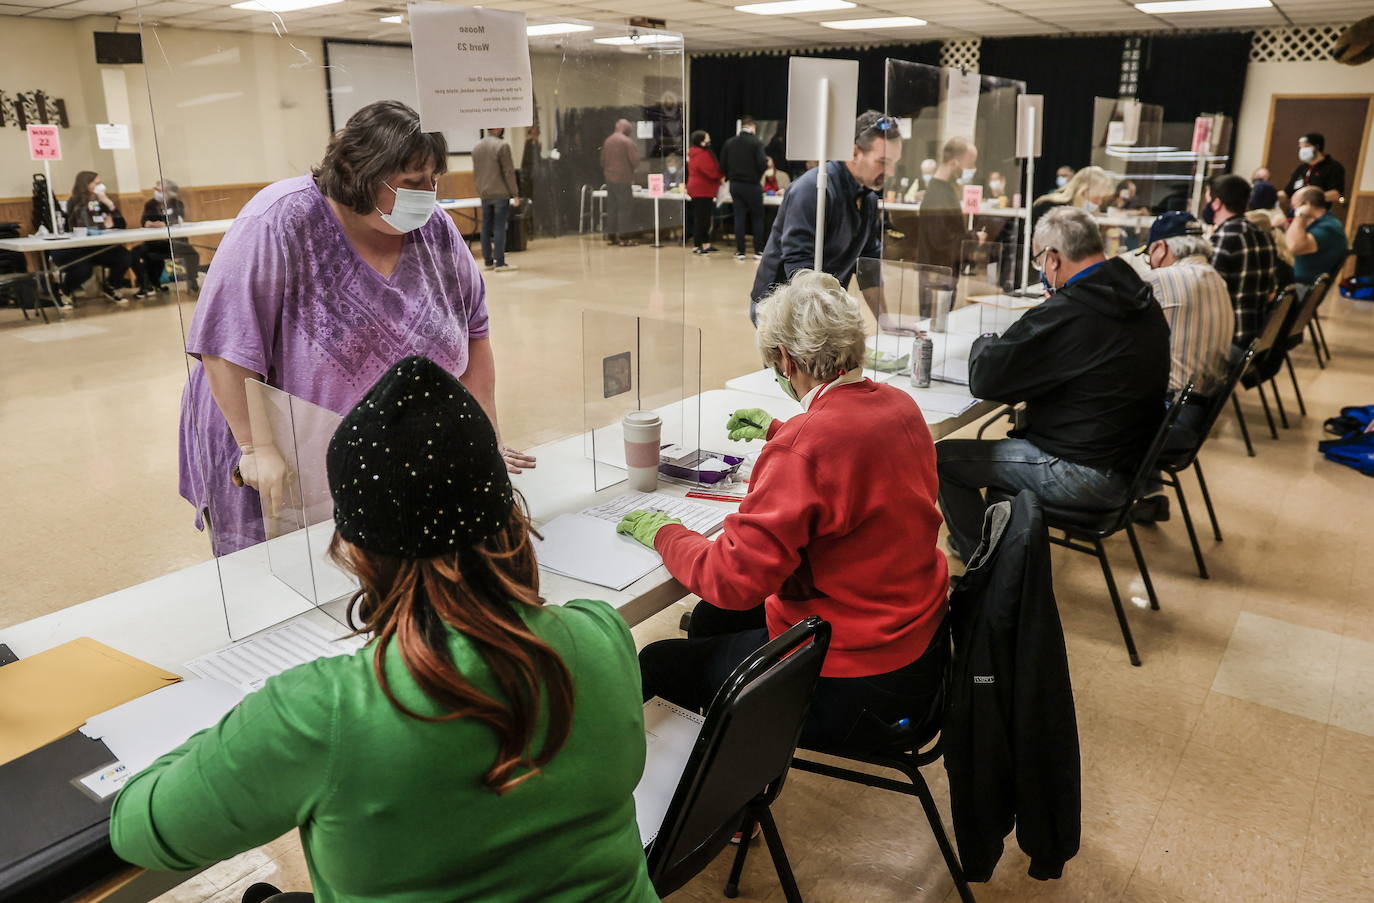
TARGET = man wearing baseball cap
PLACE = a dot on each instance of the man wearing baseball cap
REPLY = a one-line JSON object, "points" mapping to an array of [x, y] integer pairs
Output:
{"points": [[1195, 301]]}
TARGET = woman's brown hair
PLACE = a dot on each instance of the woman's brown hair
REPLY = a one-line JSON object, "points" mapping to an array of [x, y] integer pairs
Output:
{"points": [[378, 141], [81, 189], [478, 592]]}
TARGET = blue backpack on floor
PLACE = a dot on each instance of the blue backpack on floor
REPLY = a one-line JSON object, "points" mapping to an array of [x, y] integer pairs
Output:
{"points": [[1355, 447]]}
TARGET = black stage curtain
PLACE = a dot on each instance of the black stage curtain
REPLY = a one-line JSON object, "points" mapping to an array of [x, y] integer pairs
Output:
{"points": [[1070, 72], [1192, 74], [724, 88]]}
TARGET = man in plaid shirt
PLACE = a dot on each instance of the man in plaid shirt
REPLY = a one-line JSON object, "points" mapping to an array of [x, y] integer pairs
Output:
{"points": [[1243, 254]]}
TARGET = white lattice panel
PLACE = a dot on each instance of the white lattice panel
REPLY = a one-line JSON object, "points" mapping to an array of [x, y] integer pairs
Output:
{"points": [[1300, 44], [961, 54]]}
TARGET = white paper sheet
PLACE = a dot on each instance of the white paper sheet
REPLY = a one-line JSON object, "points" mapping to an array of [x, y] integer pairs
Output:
{"points": [[472, 67], [248, 664], [141, 730], [670, 733], [585, 546]]}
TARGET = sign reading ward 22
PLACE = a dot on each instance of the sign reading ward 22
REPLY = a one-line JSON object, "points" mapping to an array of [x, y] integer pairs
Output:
{"points": [[44, 143]]}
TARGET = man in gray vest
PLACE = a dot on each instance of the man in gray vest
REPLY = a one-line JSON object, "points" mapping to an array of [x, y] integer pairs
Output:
{"points": [[494, 172]]}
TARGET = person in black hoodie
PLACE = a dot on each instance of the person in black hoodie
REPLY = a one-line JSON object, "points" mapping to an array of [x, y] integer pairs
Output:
{"points": [[1092, 365]]}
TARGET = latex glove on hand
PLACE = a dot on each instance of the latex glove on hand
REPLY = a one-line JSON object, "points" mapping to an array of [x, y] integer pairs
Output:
{"points": [[263, 468], [644, 525], [747, 424]]}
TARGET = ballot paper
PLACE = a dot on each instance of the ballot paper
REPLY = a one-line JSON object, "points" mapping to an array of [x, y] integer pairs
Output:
{"points": [[248, 664], [142, 730], [585, 546], [670, 735]]}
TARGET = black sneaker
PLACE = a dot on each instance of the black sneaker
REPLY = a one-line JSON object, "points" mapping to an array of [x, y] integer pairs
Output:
{"points": [[739, 256], [1151, 510]]}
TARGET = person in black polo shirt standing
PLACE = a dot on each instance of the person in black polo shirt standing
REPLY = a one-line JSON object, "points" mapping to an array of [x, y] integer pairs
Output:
{"points": [[743, 159], [1315, 168]]}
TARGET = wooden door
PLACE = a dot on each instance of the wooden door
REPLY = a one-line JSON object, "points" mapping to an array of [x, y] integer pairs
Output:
{"points": [[1342, 118]]}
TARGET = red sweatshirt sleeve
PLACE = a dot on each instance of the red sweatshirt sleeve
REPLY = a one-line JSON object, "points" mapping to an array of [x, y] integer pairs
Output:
{"points": [[760, 546]]}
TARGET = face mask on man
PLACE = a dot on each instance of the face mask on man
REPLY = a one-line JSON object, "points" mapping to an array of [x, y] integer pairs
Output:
{"points": [[1207, 213], [927, 176], [967, 175], [412, 209], [1307, 153], [1061, 181]]}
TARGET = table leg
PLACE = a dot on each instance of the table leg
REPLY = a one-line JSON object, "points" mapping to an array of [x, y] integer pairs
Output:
{"points": [[656, 242]]}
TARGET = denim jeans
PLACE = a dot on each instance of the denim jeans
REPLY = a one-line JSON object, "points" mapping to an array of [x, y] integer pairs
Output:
{"points": [[968, 466], [495, 215]]}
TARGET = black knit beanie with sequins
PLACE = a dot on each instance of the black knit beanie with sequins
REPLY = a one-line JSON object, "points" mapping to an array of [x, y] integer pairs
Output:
{"points": [[415, 468]]}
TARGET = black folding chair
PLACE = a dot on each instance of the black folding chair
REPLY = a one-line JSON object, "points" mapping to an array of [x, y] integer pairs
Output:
{"points": [[1084, 531], [1265, 365], [737, 768], [909, 752], [1318, 334], [1179, 455], [1301, 323]]}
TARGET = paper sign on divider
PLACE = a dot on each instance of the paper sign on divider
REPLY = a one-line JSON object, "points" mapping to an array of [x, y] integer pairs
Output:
{"points": [[113, 136], [472, 67], [656, 184]]}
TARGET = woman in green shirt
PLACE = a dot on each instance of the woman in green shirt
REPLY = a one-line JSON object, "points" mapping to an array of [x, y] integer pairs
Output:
{"points": [[483, 746]]}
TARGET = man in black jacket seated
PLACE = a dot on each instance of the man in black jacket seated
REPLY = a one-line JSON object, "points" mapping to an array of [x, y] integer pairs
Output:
{"points": [[1092, 365]]}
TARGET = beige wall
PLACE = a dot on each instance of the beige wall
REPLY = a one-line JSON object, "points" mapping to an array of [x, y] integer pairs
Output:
{"points": [[1263, 80], [229, 107]]}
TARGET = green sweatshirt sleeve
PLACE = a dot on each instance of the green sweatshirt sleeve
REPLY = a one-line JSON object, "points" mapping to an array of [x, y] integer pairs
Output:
{"points": [[249, 779]]}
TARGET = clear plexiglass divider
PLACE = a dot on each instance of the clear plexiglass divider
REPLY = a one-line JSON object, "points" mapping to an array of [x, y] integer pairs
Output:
{"points": [[242, 112], [918, 301], [958, 176], [1127, 143], [639, 364]]}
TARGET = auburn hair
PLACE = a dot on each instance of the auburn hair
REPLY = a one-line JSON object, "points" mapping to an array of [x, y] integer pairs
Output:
{"points": [[478, 592]]}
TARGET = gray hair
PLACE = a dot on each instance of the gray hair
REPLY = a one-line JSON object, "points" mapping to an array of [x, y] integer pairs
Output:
{"points": [[1070, 231], [1182, 246], [816, 321]]}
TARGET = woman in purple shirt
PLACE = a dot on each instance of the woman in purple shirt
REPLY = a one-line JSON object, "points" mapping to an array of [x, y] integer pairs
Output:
{"points": [[321, 284]]}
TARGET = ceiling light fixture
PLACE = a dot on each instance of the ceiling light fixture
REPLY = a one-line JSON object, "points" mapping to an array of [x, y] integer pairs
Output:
{"points": [[885, 22], [1200, 6], [392, 20], [788, 7], [281, 6], [535, 31], [640, 39]]}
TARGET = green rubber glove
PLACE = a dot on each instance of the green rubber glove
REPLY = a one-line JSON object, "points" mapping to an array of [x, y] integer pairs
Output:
{"points": [[644, 525], [748, 423]]}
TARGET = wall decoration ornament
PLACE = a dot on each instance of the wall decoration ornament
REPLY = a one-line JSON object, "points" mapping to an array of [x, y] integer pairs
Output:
{"points": [[961, 54], [1298, 44], [32, 107]]}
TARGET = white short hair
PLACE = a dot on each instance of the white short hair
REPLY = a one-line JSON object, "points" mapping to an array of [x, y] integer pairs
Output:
{"points": [[816, 321], [1182, 246], [1070, 231]]}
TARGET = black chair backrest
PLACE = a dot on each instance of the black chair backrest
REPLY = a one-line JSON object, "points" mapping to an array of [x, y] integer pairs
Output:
{"points": [[1149, 462], [1315, 294], [742, 753], [1273, 327], [1180, 458]]}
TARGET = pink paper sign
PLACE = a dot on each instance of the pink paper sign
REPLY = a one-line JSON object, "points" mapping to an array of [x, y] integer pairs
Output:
{"points": [[1202, 134], [44, 143], [656, 184], [973, 198]]}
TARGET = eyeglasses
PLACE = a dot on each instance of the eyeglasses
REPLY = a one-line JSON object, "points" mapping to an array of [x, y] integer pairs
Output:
{"points": [[1038, 258]]}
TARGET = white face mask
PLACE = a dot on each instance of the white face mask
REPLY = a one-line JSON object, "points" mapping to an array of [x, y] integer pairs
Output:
{"points": [[157, 195], [1061, 181], [412, 210], [1090, 206], [996, 187], [967, 175], [1306, 154], [927, 176], [98, 188]]}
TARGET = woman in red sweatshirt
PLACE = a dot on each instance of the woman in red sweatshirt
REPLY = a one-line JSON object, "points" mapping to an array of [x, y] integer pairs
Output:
{"points": [[840, 521], [703, 181]]}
